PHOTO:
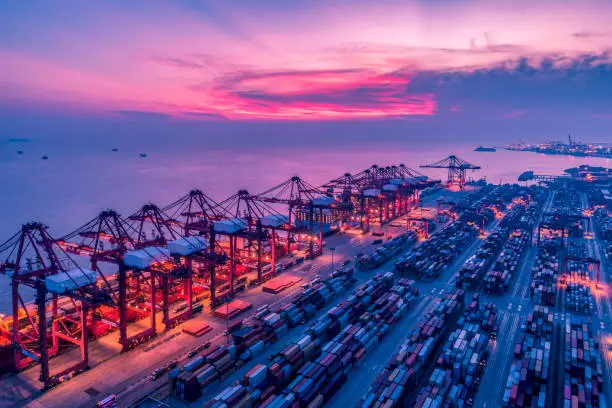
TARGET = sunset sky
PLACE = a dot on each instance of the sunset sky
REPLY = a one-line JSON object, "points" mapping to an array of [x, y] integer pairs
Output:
{"points": [[313, 60]]}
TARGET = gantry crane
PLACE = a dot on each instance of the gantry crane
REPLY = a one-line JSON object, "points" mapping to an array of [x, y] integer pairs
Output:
{"points": [[154, 267], [380, 192], [456, 169], [305, 206], [32, 258], [255, 221], [197, 213]]}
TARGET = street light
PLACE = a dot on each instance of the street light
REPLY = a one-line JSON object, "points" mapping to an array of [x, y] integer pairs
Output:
{"points": [[332, 252]]}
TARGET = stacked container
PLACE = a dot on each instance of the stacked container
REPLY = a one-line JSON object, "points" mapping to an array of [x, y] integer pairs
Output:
{"points": [[544, 274], [603, 223], [308, 371], [583, 382], [576, 281], [405, 369], [498, 280], [470, 274], [429, 259], [387, 251], [252, 337], [528, 378], [457, 372]]}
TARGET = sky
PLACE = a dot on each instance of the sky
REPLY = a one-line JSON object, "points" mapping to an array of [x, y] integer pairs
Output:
{"points": [[434, 65]]}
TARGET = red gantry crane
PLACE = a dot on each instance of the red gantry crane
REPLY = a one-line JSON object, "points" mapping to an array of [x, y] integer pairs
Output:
{"points": [[456, 169], [379, 194], [249, 236], [197, 213], [154, 269], [306, 205], [33, 259]]}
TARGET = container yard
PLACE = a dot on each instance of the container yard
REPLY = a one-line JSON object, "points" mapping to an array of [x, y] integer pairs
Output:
{"points": [[251, 338], [338, 295], [576, 284], [428, 260], [310, 370]]}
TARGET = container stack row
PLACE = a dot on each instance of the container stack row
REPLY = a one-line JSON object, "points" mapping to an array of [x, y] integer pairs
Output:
{"points": [[577, 284], [527, 383], [428, 260], [544, 273], [597, 197], [533, 211], [457, 372], [478, 209], [251, 338], [498, 279], [583, 381], [472, 271], [308, 371], [407, 368], [387, 251]]}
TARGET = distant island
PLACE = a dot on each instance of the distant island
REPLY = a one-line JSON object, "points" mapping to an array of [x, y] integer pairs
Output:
{"points": [[568, 149], [485, 149]]}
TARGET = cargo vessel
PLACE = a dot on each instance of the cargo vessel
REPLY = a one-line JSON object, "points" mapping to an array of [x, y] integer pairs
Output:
{"points": [[485, 149]]}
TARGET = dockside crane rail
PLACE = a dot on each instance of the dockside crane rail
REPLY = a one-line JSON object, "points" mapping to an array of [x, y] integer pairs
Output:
{"points": [[456, 169]]}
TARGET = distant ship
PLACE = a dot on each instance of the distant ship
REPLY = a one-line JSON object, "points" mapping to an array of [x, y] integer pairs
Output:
{"points": [[45, 157], [485, 149], [143, 155], [115, 149]]}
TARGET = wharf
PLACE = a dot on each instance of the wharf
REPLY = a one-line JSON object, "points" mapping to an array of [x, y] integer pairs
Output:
{"points": [[130, 371]]}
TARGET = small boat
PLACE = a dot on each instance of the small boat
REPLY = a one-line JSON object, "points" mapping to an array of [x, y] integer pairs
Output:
{"points": [[45, 157], [19, 151], [115, 149], [485, 149], [143, 155]]}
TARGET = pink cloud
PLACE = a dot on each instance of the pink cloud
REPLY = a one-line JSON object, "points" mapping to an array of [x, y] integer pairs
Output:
{"points": [[299, 62], [325, 94]]}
